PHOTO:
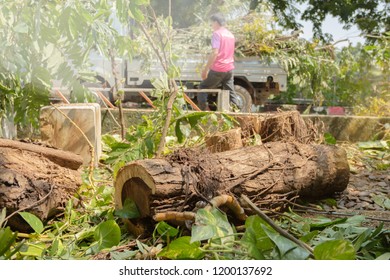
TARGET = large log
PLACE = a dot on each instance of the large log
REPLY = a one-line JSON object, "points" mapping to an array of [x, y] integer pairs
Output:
{"points": [[36, 179], [179, 182], [62, 158]]}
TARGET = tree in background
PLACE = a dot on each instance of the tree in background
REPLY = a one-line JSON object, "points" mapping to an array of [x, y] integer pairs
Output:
{"points": [[42, 41], [371, 17]]}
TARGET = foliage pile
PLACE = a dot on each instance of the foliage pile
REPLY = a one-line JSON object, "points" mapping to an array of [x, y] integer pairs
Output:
{"points": [[92, 232]]}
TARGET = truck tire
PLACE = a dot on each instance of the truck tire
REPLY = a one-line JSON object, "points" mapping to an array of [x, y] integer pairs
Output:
{"points": [[244, 97]]}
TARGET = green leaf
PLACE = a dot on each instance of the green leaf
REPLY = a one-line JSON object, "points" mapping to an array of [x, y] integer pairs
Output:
{"points": [[199, 233], [136, 13], [255, 233], [178, 132], [165, 229], [33, 221], [384, 257], [329, 139], [330, 202], [125, 255], [288, 250], [182, 249], [355, 220], [57, 247], [382, 201], [335, 250], [129, 210], [7, 239], [33, 250], [107, 234], [309, 236], [361, 239], [321, 223], [212, 225]]}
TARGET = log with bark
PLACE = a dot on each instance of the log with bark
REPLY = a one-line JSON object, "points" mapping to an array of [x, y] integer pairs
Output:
{"points": [[36, 179], [267, 174]]}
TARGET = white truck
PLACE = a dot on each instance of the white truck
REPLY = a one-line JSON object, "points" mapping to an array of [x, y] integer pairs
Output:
{"points": [[254, 80]]}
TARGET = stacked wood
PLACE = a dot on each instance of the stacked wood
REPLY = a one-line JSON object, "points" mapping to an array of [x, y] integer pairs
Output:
{"points": [[262, 172], [36, 179]]}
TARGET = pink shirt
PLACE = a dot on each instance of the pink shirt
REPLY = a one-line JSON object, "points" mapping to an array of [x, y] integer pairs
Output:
{"points": [[224, 41]]}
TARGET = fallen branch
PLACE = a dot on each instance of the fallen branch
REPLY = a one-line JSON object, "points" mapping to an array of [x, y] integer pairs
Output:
{"points": [[62, 158], [276, 227]]}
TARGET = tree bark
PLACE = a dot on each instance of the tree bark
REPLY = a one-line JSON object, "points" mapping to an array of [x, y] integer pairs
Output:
{"points": [[36, 179], [179, 182]]}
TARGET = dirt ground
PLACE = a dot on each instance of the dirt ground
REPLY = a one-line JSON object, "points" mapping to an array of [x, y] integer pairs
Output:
{"points": [[365, 195]]}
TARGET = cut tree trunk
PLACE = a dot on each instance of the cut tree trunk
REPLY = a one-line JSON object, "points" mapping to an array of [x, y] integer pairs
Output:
{"points": [[283, 126], [263, 173], [224, 141], [36, 179]]}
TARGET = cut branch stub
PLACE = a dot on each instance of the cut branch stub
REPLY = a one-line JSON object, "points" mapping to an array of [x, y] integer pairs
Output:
{"points": [[141, 180]]}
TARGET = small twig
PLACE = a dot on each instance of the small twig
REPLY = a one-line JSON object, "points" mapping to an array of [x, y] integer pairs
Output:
{"points": [[268, 188], [39, 202], [276, 227], [161, 37], [252, 175], [154, 47]]}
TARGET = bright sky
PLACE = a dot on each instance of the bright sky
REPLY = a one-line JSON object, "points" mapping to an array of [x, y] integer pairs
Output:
{"points": [[331, 25]]}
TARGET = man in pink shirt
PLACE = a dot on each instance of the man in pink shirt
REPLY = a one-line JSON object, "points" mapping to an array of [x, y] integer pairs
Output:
{"points": [[220, 64]]}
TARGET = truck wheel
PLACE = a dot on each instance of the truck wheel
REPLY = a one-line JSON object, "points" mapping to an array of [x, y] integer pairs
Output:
{"points": [[244, 97]]}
